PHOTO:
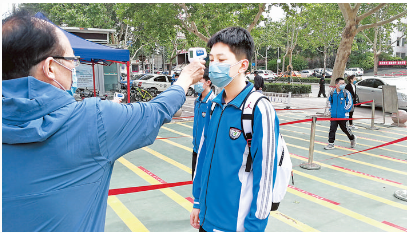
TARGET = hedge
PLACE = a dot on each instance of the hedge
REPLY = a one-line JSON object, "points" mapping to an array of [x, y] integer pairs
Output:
{"points": [[303, 80]]}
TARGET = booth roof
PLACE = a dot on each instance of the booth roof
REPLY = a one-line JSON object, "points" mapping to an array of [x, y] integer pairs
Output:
{"points": [[88, 50]]}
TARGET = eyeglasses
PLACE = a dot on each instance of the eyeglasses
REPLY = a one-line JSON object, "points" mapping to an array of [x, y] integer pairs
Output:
{"points": [[74, 59]]}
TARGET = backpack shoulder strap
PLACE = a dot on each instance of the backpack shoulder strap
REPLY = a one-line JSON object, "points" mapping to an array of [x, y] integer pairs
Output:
{"points": [[247, 121]]}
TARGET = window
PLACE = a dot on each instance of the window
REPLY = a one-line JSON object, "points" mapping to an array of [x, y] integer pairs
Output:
{"points": [[169, 79], [377, 83], [404, 42], [397, 54], [160, 79], [403, 55], [367, 83], [398, 43]]}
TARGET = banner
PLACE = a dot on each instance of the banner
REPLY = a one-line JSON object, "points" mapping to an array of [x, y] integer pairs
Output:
{"points": [[392, 63]]}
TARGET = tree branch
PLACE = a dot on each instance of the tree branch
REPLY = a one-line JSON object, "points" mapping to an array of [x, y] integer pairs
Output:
{"points": [[257, 16], [359, 29], [192, 28], [356, 7], [370, 12], [345, 9], [367, 38]]}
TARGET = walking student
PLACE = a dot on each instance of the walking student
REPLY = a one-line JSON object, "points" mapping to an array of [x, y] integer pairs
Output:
{"points": [[201, 104], [351, 87], [340, 103], [230, 198]]}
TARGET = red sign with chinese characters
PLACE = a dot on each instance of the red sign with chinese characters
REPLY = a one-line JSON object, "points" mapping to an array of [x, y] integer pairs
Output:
{"points": [[392, 63]]}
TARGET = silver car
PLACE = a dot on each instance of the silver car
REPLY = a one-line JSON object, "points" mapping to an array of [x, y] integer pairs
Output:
{"points": [[371, 88]]}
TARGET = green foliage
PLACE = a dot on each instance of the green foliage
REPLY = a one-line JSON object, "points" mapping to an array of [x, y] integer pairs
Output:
{"points": [[286, 88], [362, 60], [299, 63], [304, 80]]}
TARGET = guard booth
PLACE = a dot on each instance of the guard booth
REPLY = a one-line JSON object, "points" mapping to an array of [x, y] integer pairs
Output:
{"points": [[389, 100]]}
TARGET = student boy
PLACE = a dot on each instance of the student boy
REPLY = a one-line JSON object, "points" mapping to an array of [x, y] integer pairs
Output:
{"points": [[232, 199], [340, 103], [201, 104]]}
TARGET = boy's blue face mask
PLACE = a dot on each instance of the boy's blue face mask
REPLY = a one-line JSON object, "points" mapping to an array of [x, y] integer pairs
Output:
{"points": [[198, 87], [342, 86], [219, 74]]}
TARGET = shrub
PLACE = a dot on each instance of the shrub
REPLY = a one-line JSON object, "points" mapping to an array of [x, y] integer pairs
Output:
{"points": [[286, 88]]}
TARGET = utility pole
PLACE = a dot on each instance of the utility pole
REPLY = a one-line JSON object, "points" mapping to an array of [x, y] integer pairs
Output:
{"points": [[266, 58]]}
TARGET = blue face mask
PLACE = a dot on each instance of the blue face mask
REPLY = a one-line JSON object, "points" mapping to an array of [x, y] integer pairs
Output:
{"points": [[74, 80], [342, 86], [219, 74], [198, 87]]}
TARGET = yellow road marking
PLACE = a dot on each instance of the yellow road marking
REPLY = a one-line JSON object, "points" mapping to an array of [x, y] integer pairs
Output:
{"points": [[167, 191], [292, 222], [366, 153], [127, 217], [167, 159], [178, 145], [344, 211], [176, 132], [352, 190], [354, 173], [185, 125], [348, 159], [360, 132], [359, 143]]}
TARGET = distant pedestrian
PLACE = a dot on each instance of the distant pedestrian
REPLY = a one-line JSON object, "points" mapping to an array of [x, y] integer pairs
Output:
{"points": [[322, 89], [351, 87], [340, 103], [258, 82]]}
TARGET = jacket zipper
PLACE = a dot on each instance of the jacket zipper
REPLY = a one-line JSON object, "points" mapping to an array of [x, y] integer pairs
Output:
{"points": [[212, 156]]}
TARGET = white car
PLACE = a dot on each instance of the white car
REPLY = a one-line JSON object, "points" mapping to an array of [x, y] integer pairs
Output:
{"points": [[349, 72], [371, 88], [306, 73], [357, 71], [267, 75], [154, 82]]}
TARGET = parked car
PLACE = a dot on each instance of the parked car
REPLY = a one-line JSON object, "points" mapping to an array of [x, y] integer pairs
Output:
{"points": [[306, 73], [267, 75], [123, 82], [358, 71], [371, 88], [154, 82], [349, 72]]}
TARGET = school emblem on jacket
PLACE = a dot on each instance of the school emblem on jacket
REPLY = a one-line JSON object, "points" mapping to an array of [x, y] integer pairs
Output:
{"points": [[203, 114], [234, 133]]}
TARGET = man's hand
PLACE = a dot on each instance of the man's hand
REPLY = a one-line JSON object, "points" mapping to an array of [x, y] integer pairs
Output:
{"points": [[191, 74], [194, 219], [116, 100]]}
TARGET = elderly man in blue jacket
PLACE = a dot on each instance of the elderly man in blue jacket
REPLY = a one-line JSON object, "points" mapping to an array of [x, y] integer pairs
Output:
{"points": [[340, 103], [58, 154]]}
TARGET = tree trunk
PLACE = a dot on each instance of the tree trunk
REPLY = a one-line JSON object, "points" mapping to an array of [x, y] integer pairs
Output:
{"points": [[324, 59], [376, 58], [343, 52], [290, 59], [283, 63]]}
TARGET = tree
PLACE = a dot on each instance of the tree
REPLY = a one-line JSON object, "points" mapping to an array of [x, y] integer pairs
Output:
{"points": [[323, 28], [378, 37], [353, 17]]}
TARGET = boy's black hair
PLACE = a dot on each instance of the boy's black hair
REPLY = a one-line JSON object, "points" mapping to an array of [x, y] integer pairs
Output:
{"points": [[206, 75], [238, 39], [338, 80]]}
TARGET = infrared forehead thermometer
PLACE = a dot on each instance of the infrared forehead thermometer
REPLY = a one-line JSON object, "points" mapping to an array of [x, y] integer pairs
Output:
{"points": [[196, 53], [119, 96]]}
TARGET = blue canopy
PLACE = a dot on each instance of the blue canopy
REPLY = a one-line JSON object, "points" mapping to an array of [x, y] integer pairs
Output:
{"points": [[88, 50]]}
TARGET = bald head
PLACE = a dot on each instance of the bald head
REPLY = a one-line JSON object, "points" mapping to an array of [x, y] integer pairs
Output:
{"points": [[26, 42]]}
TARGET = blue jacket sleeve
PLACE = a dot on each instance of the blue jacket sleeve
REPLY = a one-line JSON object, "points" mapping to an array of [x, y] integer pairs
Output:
{"points": [[263, 150], [126, 127], [201, 154]]}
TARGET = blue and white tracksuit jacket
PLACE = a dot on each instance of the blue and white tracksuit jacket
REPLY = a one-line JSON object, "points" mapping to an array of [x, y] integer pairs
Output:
{"points": [[200, 111], [340, 107], [231, 199]]}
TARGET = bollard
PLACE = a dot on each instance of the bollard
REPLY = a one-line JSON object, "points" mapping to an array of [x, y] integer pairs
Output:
{"points": [[373, 116], [288, 103], [310, 165]]}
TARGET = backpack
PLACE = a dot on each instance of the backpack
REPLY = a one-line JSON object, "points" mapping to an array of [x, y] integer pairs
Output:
{"points": [[284, 167], [345, 98]]}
